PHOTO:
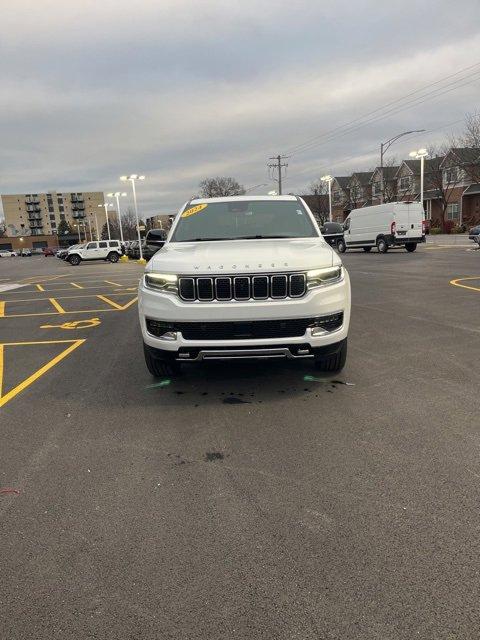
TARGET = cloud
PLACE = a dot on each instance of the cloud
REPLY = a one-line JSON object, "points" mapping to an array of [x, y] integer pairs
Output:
{"points": [[183, 90]]}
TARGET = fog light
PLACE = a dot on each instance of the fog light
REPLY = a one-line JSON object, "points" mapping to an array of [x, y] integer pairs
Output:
{"points": [[318, 331], [324, 324], [162, 330]]}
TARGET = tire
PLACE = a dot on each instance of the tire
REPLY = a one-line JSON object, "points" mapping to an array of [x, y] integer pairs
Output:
{"points": [[341, 246], [411, 246], [113, 257], [367, 249], [74, 260], [382, 245], [334, 362], [160, 368]]}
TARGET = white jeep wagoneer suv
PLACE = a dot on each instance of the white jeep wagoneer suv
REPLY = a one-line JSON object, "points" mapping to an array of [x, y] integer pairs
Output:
{"points": [[244, 277]]}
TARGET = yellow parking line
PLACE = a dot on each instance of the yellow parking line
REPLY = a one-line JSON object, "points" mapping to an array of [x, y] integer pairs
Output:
{"points": [[76, 285], [81, 295], [38, 374], [115, 284], [110, 302], [57, 306], [39, 287], [1, 369], [456, 282], [2, 309]]}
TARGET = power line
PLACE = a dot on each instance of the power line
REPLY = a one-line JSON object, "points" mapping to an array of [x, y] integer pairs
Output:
{"points": [[278, 166], [421, 98], [375, 150], [413, 103]]}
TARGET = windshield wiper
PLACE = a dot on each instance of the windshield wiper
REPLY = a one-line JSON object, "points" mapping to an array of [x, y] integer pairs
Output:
{"points": [[205, 239], [260, 237], [257, 237]]}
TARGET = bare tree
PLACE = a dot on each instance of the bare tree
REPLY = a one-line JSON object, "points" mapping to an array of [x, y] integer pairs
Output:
{"points": [[317, 200], [390, 182], [219, 187], [471, 135], [443, 183]]}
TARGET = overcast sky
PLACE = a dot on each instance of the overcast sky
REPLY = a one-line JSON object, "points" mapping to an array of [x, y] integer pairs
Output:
{"points": [[181, 90]]}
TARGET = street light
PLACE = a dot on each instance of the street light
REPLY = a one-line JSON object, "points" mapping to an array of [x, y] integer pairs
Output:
{"points": [[386, 145], [420, 154], [328, 180], [117, 195], [105, 205], [132, 178]]}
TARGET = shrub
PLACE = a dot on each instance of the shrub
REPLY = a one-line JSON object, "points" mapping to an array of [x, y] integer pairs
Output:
{"points": [[435, 230]]}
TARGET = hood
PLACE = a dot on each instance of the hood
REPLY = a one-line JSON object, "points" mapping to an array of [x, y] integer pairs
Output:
{"points": [[243, 256]]}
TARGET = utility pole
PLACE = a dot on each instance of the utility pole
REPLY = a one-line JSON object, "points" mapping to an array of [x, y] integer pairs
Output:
{"points": [[278, 165]]}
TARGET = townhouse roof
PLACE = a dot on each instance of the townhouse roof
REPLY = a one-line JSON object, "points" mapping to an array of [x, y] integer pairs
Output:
{"points": [[465, 155], [389, 172], [363, 177], [342, 181]]}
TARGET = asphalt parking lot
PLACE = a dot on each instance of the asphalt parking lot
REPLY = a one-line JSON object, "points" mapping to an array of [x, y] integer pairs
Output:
{"points": [[241, 500]]}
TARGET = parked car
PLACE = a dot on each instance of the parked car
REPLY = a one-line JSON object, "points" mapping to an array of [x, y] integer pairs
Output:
{"points": [[63, 251], [148, 249], [25, 252], [394, 224], [332, 232], [132, 249], [110, 250], [474, 233], [244, 277], [49, 251], [7, 253]]}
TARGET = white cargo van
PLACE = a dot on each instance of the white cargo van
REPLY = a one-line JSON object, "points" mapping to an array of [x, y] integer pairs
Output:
{"points": [[385, 225]]}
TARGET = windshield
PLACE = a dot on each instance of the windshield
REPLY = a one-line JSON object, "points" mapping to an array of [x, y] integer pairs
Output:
{"points": [[244, 219]]}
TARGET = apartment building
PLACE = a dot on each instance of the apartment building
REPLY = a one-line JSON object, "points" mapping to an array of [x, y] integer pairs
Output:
{"points": [[40, 214]]}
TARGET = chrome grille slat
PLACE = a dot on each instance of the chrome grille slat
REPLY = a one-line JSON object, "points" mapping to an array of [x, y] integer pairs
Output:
{"points": [[276, 286]]}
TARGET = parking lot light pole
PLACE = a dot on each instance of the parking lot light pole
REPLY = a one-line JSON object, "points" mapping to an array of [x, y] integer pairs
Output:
{"points": [[117, 195], [132, 178], [96, 227], [329, 180], [421, 154], [386, 145], [105, 205]]}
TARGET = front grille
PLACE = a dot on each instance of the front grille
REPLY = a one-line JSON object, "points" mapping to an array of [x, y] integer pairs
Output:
{"points": [[248, 330], [259, 287]]}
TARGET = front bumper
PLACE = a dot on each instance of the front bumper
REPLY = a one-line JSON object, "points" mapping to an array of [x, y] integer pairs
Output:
{"points": [[317, 302]]}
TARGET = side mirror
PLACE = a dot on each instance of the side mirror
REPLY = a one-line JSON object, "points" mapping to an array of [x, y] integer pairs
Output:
{"points": [[156, 237]]}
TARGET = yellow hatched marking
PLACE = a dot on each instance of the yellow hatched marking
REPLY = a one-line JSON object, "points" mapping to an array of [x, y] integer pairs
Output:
{"points": [[39, 287], [40, 372], [76, 285], [56, 305]]}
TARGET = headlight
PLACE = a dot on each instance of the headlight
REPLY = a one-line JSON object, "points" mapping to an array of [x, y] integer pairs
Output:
{"points": [[323, 277], [165, 282]]}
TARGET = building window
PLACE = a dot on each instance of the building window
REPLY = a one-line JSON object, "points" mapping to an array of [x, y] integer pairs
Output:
{"points": [[53, 225], [336, 196], [405, 183], [62, 216], [50, 208], [453, 211], [376, 187], [452, 175], [52, 217], [61, 207]]}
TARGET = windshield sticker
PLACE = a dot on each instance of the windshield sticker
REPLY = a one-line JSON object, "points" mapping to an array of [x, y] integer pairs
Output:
{"points": [[193, 210]]}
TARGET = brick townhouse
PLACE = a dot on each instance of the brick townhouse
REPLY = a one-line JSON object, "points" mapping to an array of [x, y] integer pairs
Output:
{"points": [[451, 188]]}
